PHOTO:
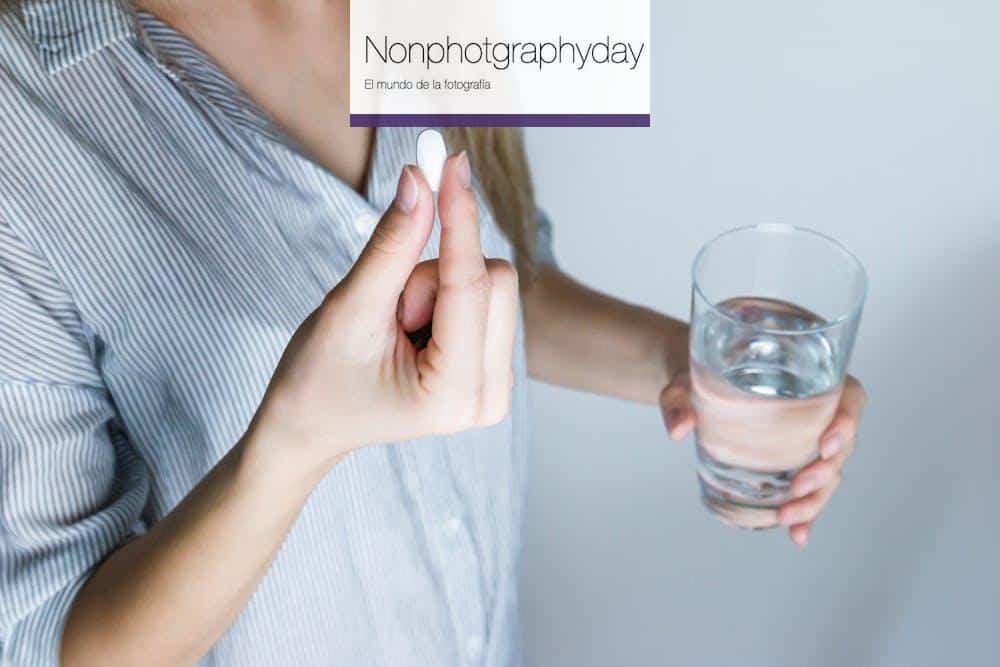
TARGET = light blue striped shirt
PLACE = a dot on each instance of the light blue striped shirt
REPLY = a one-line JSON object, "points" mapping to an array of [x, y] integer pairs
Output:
{"points": [[160, 240]]}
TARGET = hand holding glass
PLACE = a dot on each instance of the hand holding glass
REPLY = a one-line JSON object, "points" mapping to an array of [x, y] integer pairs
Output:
{"points": [[774, 314]]}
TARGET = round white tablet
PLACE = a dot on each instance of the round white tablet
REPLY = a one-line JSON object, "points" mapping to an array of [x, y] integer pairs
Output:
{"points": [[431, 155]]}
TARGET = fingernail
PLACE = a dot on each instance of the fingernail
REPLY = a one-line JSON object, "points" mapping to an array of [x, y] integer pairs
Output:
{"points": [[464, 170], [832, 445], [406, 191], [800, 540]]}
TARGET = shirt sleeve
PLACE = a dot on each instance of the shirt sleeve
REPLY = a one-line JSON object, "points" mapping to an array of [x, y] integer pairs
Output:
{"points": [[71, 488], [544, 253]]}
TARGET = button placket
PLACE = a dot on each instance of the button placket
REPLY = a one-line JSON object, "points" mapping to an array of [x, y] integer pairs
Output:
{"points": [[452, 526], [449, 530], [474, 647]]}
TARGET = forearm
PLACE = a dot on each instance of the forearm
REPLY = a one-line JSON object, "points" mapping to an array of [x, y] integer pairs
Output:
{"points": [[166, 597], [579, 338]]}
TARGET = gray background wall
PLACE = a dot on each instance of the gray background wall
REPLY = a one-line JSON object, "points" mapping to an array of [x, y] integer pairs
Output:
{"points": [[877, 123]]}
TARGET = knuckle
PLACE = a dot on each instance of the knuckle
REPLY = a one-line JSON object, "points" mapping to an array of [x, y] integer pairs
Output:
{"points": [[502, 272], [480, 286], [826, 470], [807, 508], [811, 512], [386, 240], [470, 280], [673, 393], [808, 480], [482, 282]]}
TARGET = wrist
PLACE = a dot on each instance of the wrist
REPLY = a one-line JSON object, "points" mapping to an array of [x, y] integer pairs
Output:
{"points": [[670, 352], [270, 454]]}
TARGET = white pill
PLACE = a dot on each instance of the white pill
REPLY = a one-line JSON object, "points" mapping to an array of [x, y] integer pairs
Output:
{"points": [[431, 155]]}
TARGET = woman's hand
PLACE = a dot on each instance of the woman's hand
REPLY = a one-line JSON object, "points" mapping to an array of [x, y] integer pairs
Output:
{"points": [[349, 377], [814, 485], [359, 372]]}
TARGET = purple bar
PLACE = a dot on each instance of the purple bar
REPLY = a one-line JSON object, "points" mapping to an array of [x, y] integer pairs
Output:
{"points": [[499, 120]]}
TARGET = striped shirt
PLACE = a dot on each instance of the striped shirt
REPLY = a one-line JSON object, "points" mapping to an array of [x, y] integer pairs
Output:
{"points": [[160, 241]]}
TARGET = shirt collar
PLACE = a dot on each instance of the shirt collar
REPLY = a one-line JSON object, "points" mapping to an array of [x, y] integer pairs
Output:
{"points": [[69, 31]]}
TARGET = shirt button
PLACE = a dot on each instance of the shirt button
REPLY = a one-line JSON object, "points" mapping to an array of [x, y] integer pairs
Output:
{"points": [[474, 646], [452, 525], [365, 223]]}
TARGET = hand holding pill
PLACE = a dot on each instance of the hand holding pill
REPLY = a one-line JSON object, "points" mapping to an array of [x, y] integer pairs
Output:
{"points": [[351, 375]]}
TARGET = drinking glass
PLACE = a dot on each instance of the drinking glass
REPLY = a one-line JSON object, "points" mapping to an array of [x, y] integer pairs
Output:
{"points": [[774, 313]]}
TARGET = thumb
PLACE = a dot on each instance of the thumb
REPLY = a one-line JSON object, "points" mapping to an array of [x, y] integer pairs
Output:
{"points": [[383, 267], [675, 402]]}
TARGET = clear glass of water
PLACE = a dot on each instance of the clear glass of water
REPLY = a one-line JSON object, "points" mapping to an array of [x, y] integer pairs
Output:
{"points": [[774, 313]]}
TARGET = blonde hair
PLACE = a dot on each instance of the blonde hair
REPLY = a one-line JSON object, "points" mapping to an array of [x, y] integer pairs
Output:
{"points": [[501, 164]]}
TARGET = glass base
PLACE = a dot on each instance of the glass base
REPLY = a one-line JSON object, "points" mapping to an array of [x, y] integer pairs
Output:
{"points": [[740, 497], [737, 515]]}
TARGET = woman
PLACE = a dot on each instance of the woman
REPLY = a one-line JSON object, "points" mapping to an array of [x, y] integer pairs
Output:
{"points": [[208, 332]]}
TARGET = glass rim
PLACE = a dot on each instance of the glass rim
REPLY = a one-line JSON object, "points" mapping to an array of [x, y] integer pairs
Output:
{"points": [[850, 313]]}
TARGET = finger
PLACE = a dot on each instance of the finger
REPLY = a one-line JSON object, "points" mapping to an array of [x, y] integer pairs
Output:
{"points": [[416, 303], [816, 475], [675, 403], [461, 254], [501, 326], [460, 311], [844, 426], [806, 509], [384, 265], [800, 534]]}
